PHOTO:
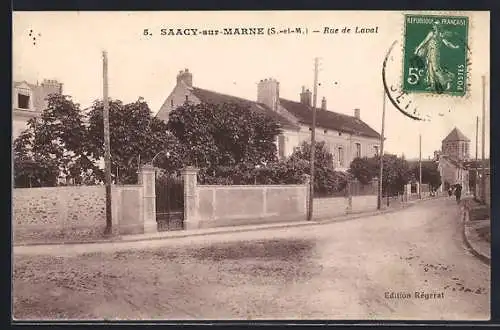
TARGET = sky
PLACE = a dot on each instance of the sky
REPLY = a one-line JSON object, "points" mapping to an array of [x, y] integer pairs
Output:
{"points": [[69, 45]]}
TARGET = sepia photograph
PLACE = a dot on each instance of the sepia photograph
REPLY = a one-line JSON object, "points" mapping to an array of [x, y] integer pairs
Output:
{"points": [[251, 165]]}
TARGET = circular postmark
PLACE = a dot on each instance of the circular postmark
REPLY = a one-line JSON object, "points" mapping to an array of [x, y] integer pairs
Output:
{"points": [[430, 75]]}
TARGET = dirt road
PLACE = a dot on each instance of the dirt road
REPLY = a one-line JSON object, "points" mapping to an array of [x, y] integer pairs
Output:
{"points": [[405, 265]]}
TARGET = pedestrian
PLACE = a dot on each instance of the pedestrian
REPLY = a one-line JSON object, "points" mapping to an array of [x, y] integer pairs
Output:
{"points": [[450, 191], [458, 192]]}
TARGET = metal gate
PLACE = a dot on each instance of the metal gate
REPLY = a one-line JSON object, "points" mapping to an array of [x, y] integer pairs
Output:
{"points": [[169, 202]]}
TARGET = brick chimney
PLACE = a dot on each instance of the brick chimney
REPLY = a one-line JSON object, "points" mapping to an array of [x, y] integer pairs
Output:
{"points": [[268, 93], [186, 77], [323, 103], [357, 113], [305, 96], [51, 86]]}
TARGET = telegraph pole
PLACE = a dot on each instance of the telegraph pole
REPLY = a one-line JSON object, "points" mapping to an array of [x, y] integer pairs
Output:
{"points": [[382, 138], [483, 176], [477, 140], [420, 166], [476, 172], [107, 151], [313, 140]]}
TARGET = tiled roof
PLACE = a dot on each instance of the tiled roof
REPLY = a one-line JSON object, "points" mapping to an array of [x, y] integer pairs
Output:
{"points": [[217, 98], [456, 135], [329, 119]]}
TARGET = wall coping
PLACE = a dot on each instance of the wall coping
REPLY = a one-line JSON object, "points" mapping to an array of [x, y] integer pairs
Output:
{"points": [[248, 186], [82, 187]]}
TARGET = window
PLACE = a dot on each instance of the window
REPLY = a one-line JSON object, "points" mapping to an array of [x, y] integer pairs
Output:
{"points": [[340, 156], [375, 149], [172, 102], [23, 101], [358, 150]]}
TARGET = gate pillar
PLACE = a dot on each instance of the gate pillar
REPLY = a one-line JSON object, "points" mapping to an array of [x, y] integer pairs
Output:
{"points": [[147, 179], [189, 176]]}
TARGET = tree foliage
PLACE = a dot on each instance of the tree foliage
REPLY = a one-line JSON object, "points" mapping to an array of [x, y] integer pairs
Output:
{"points": [[67, 140], [327, 181], [430, 174], [32, 169], [396, 172], [224, 140], [136, 136], [364, 169], [54, 143]]}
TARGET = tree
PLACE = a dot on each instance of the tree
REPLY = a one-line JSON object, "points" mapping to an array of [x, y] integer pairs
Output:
{"points": [[326, 180], [430, 174], [322, 157], [396, 172], [32, 169], [53, 142], [364, 169], [71, 140], [222, 138], [135, 136]]}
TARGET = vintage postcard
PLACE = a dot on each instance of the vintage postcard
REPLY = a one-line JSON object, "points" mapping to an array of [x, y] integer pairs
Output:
{"points": [[290, 165]]}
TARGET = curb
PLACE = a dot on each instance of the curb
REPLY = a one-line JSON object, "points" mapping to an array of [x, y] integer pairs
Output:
{"points": [[485, 259], [225, 230]]}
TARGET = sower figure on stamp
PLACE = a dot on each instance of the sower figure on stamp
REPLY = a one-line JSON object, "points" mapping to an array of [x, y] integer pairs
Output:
{"points": [[437, 78]]}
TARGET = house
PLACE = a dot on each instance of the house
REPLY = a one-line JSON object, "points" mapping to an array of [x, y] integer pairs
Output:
{"points": [[29, 100], [346, 137], [453, 159]]}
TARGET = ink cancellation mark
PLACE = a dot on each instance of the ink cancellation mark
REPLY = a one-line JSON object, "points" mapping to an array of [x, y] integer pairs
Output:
{"points": [[435, 54]]}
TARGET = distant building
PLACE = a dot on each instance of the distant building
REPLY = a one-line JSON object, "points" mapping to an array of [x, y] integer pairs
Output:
{"points": [[346, 137], [29, 100], [453, 159], [456, 145]]}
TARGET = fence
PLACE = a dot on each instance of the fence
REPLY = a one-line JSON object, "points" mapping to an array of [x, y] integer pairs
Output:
{"points": [[208, 206], [357, 198], [486, 196], [78, 212]]}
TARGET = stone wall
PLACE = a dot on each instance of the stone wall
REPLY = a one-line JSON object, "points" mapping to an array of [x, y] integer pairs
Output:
{"points": [[337, 206], [69, 213], [207, 206], [329, 207], [233, 205], [478, 190]]}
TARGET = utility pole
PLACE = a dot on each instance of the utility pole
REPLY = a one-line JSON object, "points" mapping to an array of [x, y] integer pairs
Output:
{"points": [[483, 176], [107, 148], [382, 138], [476, 172], [477, 133], [313, 140], [420, 166]]}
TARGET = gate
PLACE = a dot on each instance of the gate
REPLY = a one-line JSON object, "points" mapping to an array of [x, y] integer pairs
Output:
{"points": [[169, 202]]}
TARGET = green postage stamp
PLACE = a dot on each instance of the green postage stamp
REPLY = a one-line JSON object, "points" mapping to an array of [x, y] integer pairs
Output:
{"points": [[435, 54]]}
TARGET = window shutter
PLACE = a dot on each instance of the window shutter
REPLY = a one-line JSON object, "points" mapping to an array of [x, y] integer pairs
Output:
{"points": [[281, 146]]}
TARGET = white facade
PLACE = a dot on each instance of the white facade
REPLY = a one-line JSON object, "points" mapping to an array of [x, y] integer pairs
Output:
{"points": [[29, 100], [343, 146], [23, 108]]}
